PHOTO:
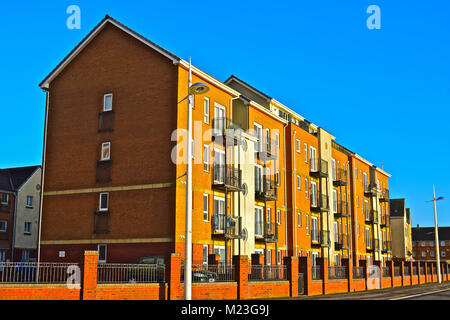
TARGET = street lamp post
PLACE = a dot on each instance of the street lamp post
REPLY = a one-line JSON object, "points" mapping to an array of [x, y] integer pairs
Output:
{"points": [[193, 89], [436, 235]]}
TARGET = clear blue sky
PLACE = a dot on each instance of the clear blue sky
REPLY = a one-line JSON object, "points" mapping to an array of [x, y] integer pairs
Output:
{"points": [[384, 94]]}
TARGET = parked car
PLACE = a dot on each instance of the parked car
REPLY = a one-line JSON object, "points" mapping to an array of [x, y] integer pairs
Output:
{"points": [[201, 275], [146, 269]]}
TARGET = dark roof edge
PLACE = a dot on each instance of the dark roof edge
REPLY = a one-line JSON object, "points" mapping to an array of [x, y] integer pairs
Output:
{"points": [[262, 94]]}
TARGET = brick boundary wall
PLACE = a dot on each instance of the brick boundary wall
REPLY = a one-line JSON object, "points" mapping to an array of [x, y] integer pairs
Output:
{"points": [[241, 288]]}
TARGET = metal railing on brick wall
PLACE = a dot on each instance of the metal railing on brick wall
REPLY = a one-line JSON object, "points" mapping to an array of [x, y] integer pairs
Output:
{"points": [[397, 271], [130, 273], [407, 271], [414, 270], [32, 272], [210, 273], [316, 272], [337, 272], [358, 273], [386, 272], [267, 273]]}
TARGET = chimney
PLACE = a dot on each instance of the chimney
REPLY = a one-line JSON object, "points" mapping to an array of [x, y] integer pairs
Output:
{"points": [[418, 227]]}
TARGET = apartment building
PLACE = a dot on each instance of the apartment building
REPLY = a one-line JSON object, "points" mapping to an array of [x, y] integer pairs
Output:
{"points": [[265, 180], [400, 218], [424, 246], [19, 212]]}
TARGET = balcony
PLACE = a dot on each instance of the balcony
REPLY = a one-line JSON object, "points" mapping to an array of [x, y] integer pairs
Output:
{"points": [[371, 217], [341, 242], [374, 246], [341, 209], [267, 149], [384, 195], [370, 189], [320, 202], [320, 239], [386, 247], [318, 167], [226, 177], [384, 221], [267, 191], [340, 178], [224, 129], [226, 225], [271, 232]]}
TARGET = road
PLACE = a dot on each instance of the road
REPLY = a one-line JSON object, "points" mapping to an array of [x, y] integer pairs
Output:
{"points": [[423, 292]]}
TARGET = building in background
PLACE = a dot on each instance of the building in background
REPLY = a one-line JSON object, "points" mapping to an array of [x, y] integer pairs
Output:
{"points": [[19, 212], [400, 220], [423, 241], [277, 185]]}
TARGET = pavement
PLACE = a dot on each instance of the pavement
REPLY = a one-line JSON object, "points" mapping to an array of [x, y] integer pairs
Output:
{"points": [[431, 291]]}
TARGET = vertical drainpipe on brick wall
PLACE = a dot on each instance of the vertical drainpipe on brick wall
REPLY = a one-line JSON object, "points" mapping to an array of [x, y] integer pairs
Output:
{"points": [[285, 190], [47, 101], [294, 195], [349, 221], [13, 240], [355, 222]]}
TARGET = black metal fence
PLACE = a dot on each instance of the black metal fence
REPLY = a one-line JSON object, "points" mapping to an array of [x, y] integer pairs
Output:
{"points": [[210, 273], [316, 273], [386, 272], [130, 273], [336, 272], [267, 273], [358, 273]]}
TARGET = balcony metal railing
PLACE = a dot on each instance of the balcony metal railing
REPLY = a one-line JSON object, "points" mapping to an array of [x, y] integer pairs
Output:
{"points": [[32, 272], [340, 177], [320, 202], [414, 270], [267, 190], [370, 189], [337, 272], [270, 231], [210, 273], [371, 216], [268, 150], [319, 167], [130, 273], [227, 176], [384, 195], [341, 242], [324, 238], [341, 209], [386, 246], [358, 273], [227, 225], [386, 272], [225, 128], [267, 273], [397, 271], [407, 270], [384, 221]]}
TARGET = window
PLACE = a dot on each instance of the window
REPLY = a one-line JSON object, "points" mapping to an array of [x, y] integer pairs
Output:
{"points": [[307, 225], [3, 225], [442, 243], [259, 135], [366, 209], [313, 158], [103, 202], [106, 151], [277, 140], [314, 230], [219, 213], [102, 253], [206, 158], [365, 181], [335, 201], [277, 178], [297, 142], [220, 250], [431, 243], [27, 228], [306, 188], [219, 162], [424, 253], [29, 202], [259, 221], [107, 102], [423, 243], [336, 232], [443, 253], [299, 187], [268, 146], [5, 198], [279, 257], [2, 255], [357, 201], [299, 218], [368, 238], [205, 254], [206, 110], [269, 216], [258, 178], [306, 152], [26, 254], [333, 169], [269, 257], [205, 207], [313, 193], [336, 259], [219, 118], [279, 216], [432, 253], [315, 255]]}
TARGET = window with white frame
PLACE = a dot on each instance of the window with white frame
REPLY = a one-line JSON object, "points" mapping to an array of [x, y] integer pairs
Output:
{"points": [[277, 178], [314, 229], [279, 257], [258, 133], [335, 200], [103, 201], [219, 118], [220, 250], [314, 255], [366, 209], [279, 216], [442, 243], [306, 188], [306, 152], [313, 193], [336, 259], [106, 151], [206, 158], [424, 253], [333, 169], [297, 143], [299, 183], [3, 225], [258, 221], [205, 207], [307, 225], [258, 178], [299, 218], [368, 238], [219, 213], [219, 162], [269, 216], [313, 158], [5, 198], [101, 253], [269, 257], [2, 255], [277, 140], [29, 203], [25, 254], [432, 253], [443, 253], [336, 232], [27, 228], [107, 102], [206, 110], [205, 254]]}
